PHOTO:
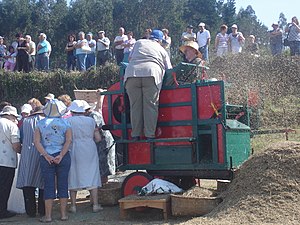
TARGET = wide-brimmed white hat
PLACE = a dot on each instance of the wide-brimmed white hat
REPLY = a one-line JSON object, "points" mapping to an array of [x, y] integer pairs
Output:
{"points": [[77, 106], [49, 96], [88, 105], [54, 108], [191, 44], [26, 108], [9, 110]]}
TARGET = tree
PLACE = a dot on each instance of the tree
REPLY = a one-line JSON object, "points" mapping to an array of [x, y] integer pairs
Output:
{"points": [[282, 20], [228, 12]]}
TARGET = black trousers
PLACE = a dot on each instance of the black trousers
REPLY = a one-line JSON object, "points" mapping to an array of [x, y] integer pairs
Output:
{"points": [[6, 179], [119, 53], [30, 201]]}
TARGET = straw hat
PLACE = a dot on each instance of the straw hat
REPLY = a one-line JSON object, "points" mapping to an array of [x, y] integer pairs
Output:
{"points": [[54, 108], [9, 110], [191, 44]]}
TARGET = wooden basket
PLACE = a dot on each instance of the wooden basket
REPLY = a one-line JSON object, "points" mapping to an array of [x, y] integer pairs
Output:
{"points": [[91, 96], [110, 193], [193, 206]]}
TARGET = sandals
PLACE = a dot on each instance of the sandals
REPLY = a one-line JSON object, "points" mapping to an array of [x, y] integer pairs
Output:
{"points": [[44, 220], [64, 218]]}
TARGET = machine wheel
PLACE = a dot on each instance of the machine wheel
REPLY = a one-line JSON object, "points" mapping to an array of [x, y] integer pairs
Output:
{"points": [[134, 182]]}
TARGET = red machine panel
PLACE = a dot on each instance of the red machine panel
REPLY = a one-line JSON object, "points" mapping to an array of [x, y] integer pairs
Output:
{"points": [[139, 153], [209, 101]]}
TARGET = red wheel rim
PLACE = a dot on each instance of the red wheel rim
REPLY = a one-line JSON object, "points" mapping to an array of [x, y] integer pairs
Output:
{"points": [[135, 181]]}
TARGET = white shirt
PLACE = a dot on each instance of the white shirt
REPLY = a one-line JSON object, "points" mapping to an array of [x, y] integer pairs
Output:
{"points": [[101, 46], [9, 134], [120, 38], [93, 49], [202, 38], [188, 35]]}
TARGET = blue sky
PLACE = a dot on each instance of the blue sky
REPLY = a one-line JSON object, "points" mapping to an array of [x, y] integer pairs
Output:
{"points": [[267, 11]]}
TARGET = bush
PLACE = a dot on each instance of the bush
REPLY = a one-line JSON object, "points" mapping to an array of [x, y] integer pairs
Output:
{"points": [[18, 88]]}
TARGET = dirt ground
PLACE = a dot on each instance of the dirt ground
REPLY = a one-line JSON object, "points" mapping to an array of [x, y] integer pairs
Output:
{"points": [[266, 190]]}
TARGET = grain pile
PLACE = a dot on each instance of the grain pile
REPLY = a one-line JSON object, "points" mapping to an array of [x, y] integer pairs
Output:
{"points": [[266, 189], [198, 192]]}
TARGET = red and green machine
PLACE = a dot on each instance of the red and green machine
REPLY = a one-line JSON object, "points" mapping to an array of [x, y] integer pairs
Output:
{"points": [[198, 135]]}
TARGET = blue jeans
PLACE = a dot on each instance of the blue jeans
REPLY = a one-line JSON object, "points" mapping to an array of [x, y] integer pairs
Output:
{"points": [[295, 48], [61, 171], [81, 59], [42, 62], [276, 48], [71, 62], [204, 52], [90, 60]]}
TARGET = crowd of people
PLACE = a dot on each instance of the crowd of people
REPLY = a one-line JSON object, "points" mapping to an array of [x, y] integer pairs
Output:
{"points": [[62, 146], [62, 150], [87, 50]]}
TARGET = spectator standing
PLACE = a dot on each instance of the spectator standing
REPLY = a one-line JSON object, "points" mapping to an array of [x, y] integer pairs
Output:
{"points": [[2, 52], [252, 46], [293, 29], [70, 49], [84, 171], [52, 139], [35, 103], [22, 56], [29, 173], [203, 40], [236, 40], [188, 35], [221, 42], [166, 42], [82, 48], [103, 53], [43, 53], [11, 57], [147, 33], [128, 45], [118, 45], [106, 147], [276, 39], [31, 52], [10, 146], [91, 55], [143, 80]]}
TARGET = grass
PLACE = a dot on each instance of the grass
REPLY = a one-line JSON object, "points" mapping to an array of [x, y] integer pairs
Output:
{"points": [[260, 142]]}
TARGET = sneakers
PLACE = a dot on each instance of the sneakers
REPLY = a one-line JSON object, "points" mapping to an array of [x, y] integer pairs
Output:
{"points": [[97, 208], [7, 214], [72, 209]]}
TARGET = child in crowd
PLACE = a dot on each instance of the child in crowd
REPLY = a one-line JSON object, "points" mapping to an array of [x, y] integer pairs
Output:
{"points": [[10, 57]]}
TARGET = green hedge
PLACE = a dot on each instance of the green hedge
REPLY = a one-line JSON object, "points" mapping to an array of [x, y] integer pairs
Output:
{"points": [[18, 88], [277, 79]]}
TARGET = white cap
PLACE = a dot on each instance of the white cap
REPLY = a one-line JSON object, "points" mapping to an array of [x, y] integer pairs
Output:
{"points": [[201, 24], [26, 108], [234, 26]]}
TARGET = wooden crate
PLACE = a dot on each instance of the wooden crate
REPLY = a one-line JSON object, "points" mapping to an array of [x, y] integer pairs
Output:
{"points": [[91, 96], [192, 206], [110, 193]]}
